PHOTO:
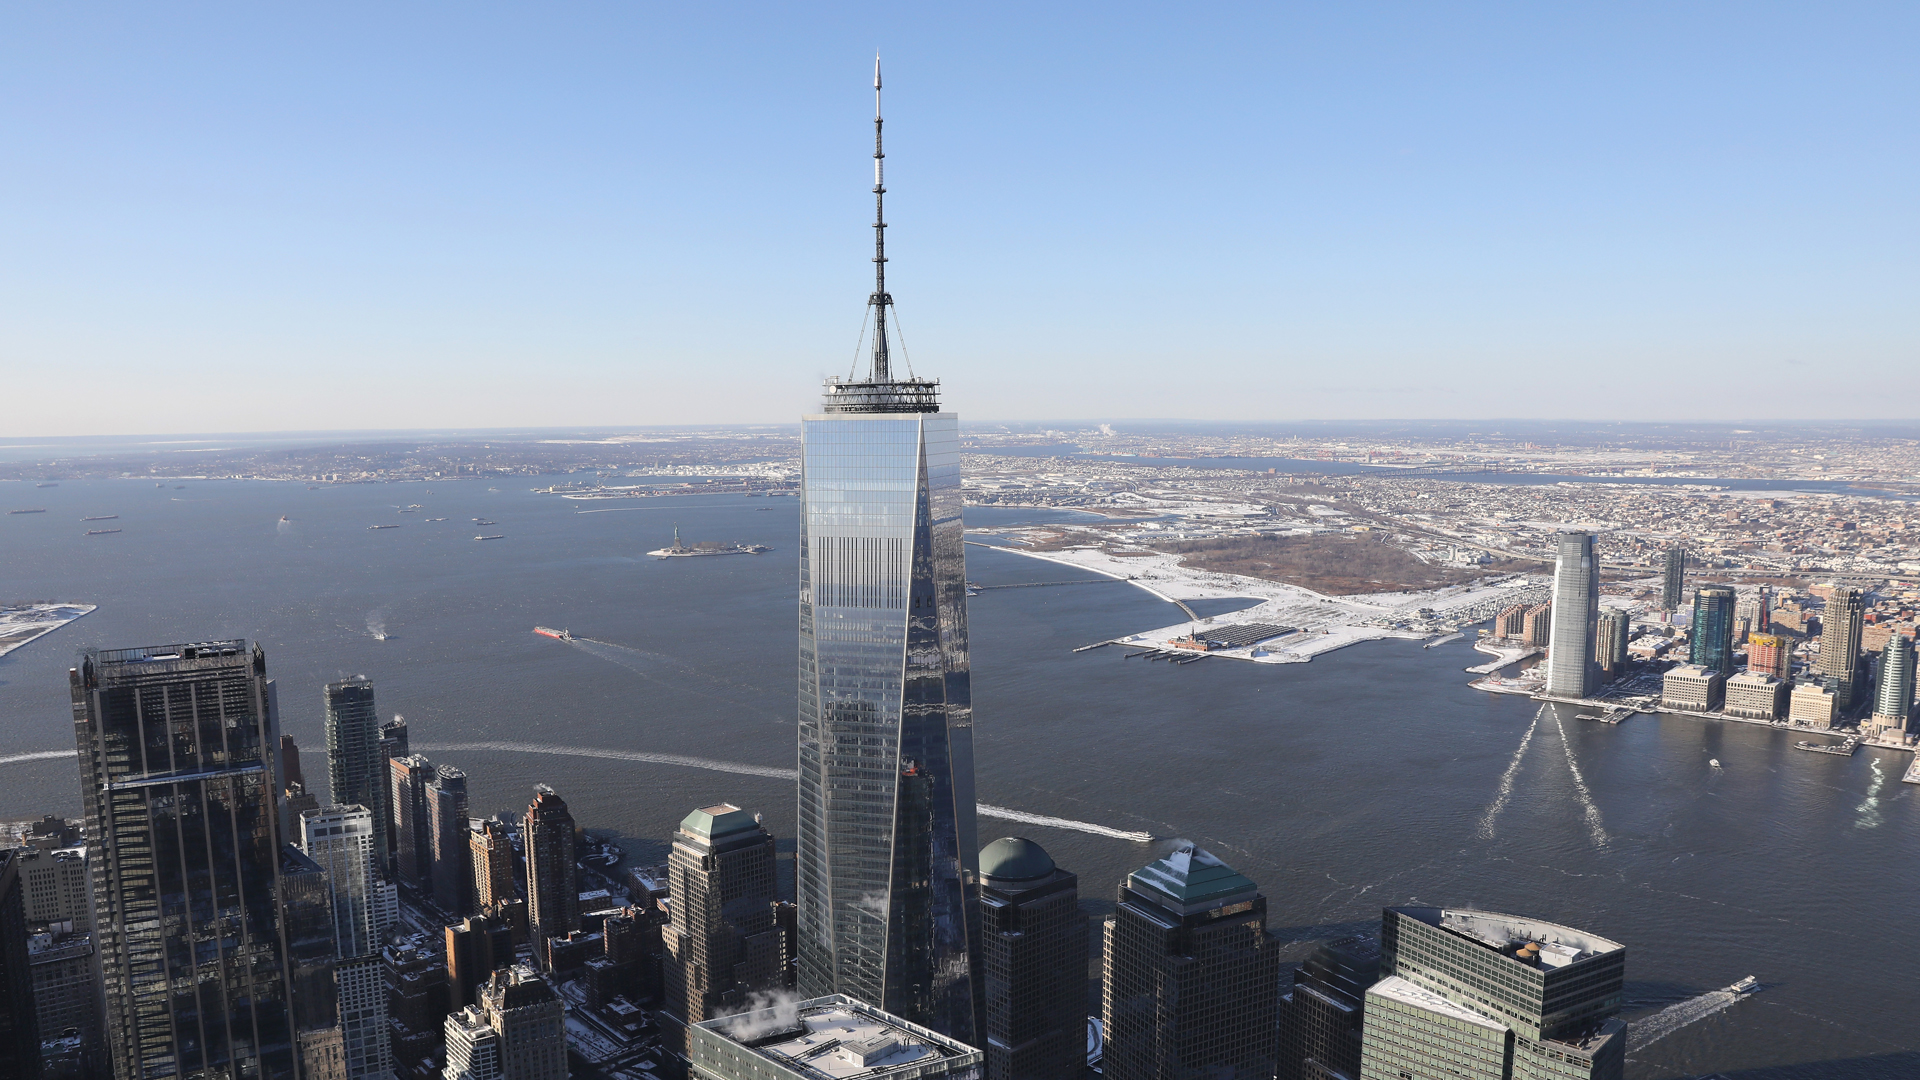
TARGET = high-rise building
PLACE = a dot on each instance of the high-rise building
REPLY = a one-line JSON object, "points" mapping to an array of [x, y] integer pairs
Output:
{"points": [[19, 1024], [1893, 700], [887, 840], [1751, 616], [1610, 645], [492, 853], [1711, 643], [1192, 983], [341, 839], [307, 923], [452, 866], [1840, 631], [723, 946], [1320, 1019], [1673, 584], [393, 744], [833, 1036], [417, 1004], [54, 884], [1476, 994], [412, 821], [178, 781], [1770, 654], [527, 1022], [1511, 623], [290, 772], [1571, 669], [477, 947], [1536, 625], [66, 1002], [1033, 961], [357, 771], [553, 875]]}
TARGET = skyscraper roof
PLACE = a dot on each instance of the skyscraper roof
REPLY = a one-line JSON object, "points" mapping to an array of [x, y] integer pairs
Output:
{"points": [[1190, 877], [720, 819]]}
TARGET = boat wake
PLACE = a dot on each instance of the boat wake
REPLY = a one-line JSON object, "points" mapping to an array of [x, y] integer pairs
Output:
{"points": [[650, 665], [1580, 785], [1644, 1033], [740, 768], [36, 755], [1506, 780]]}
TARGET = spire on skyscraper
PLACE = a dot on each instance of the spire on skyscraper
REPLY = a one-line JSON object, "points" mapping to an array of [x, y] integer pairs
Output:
{"points": [[879, 301]]}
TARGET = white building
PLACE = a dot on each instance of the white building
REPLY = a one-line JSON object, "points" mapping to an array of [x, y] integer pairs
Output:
{"points": [[1756, 696], [1692, 687], [517, 1031], [341, 840]]}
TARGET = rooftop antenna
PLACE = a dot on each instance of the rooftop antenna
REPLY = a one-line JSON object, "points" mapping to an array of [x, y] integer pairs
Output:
{"points": [[879, 301]]}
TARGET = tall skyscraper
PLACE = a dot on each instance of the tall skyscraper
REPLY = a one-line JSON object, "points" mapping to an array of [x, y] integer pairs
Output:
{"points": [[1610, 645], [1711, 643], [1840, 634], [1033, 961], [887, 842], [340, 840], [1192, 975], [19, 1027], [1320, 1020], [553, 875], [723, 946], [357, 772], [412, 821], [178, 783], [492, 853], [452, 868], [1478, 994], [1673, 584], [1571, 669], [1893, 699], [306, 923]]}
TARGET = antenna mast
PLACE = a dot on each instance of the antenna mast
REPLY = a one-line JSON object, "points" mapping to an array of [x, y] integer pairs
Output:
{"points": [[880, 301]]}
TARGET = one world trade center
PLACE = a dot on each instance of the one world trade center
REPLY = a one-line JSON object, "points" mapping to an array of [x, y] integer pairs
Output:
{"points": [[887, 843]]}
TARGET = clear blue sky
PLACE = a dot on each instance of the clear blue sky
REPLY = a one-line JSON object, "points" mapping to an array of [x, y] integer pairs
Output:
{"points": [[278, 216]]}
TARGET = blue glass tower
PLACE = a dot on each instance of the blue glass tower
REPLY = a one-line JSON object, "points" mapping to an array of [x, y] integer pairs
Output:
{"points": [[1711, 645], [887, 844]]}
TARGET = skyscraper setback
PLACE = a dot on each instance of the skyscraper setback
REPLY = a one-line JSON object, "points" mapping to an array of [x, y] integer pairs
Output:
{"points": [[886, 834]]}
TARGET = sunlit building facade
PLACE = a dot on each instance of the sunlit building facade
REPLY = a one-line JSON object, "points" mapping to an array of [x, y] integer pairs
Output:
{"points": [[1572, 670]]}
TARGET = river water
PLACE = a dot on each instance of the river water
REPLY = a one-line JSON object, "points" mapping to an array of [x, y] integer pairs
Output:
{"points": [[1372, 776]]}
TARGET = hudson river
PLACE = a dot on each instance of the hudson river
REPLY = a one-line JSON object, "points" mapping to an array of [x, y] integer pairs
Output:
{"points": [[1372, 776]]}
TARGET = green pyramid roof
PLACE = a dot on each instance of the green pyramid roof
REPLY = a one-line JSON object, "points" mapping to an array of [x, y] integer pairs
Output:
{"points": [[722, 819], [1191, 876]]}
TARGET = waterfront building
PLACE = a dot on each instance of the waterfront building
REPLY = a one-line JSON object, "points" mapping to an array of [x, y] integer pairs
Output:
{"points": [[357, 770], [1610, 644], [1840, 630], [833, 1036], [54, 886], [886, 834], [1756, 696], [1770, 654], [1571, 669], [1893, 700], [1536, 626], [1320, 1018], [1511, 623], [723, 946], [412, 821], [553, 876], [340, 840], [176, 747], [1673, 582], [1192, 985], [1711, 642], [1812, 703], [1486, 996], [19, 1026], [1033, 962], [1693, 688], [477, 947], [452, 866], [492, 853]]}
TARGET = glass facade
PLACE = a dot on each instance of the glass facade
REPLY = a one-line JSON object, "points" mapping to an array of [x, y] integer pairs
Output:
{"points": [[176, 748], [1571, 668], [1711, 644], [356, 761], [887, 840]]}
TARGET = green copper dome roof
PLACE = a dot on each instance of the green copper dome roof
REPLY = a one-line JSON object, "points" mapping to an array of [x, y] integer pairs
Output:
{"points": [[1190, 876], [723, 819], [1015, 858]]}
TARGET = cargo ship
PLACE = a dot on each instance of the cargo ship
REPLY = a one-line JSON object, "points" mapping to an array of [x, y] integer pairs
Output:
{"points": [[495, 536], [557, 635], [102, 517], [39, 510], [101, 532]]}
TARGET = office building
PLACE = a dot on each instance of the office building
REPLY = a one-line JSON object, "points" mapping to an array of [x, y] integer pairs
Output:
{"points": [[477, 947], [1711, 642], [452, 862], [723, 946], [492, 853], [833, 1036], [1610, 644], [1192, 984], [1320, 1018], [1033, 962], [1572, 671], [1693, 688], [886, 808], [1485, 996], [472, 1046], [1811, 703], [1893, 697], [340, 840], [516, 1031], [553, 876], [1756, 696], [1536, 626], [54, 885], [1673, 583], [412, 775], [177, 746], [418, 1001], [393, 744], [1770, 654], [629, 965], [66, 1002], [357, 770], [19, 1027], [1840, 644]]}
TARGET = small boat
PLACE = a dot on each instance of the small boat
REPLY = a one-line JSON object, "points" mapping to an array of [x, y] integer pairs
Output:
{"points": [[495, 536], [101, 532], [283, 519], [557, 635], [1714, 761], [46, 485], [370, 528]]}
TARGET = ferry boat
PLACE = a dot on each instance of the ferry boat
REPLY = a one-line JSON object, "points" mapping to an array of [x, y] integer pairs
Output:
{"points": [[495, 536], [1714, 761], [557, 635]]}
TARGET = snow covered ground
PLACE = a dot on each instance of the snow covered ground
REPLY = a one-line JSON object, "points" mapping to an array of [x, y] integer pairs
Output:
{"points": [[25, 623]]}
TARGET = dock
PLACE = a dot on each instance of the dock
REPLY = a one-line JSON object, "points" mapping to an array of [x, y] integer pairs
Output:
{"points": [[1611, 716], [1843, 749], [1913, 771]]}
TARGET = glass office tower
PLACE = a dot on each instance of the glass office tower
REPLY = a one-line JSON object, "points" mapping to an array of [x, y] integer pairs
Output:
{"points": [[887, 909], [178, 782], [1711, 643], [1572, 670], [1673, 583], [356, 760]]}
